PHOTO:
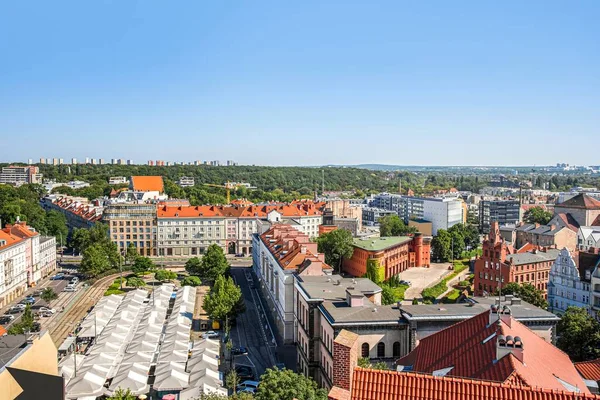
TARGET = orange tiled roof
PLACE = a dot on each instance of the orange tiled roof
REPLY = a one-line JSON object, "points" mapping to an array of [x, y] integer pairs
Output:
{"points": [[369, 384], [252, 211], [589, 369], [9, 238], [582, 200], [470, 348], [147, 183], [20, 229], [86, 211]]}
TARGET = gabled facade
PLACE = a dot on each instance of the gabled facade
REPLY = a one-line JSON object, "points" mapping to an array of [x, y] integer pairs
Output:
{"points": [[13, 267], [568, 286], [582, 208], [588, 238]]}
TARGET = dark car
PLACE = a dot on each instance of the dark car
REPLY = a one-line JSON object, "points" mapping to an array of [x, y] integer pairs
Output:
{"points": [[5, 319], [244, 372], [239, 351], [36, 327]]}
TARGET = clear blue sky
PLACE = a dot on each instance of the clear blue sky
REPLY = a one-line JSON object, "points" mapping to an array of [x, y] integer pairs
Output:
{"points": [[302, 82]]}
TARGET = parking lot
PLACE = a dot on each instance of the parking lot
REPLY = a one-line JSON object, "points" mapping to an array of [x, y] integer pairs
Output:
{"points": [[63, 299], [421, 278]]}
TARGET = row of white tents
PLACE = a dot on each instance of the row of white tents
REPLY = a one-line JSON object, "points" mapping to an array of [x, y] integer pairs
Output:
{"points": [[135, 336]]}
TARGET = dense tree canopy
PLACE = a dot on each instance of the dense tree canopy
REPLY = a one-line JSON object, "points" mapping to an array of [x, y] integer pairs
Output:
{"points": [[537, 215], [526, 292], [164, 275], [579, 335], [213, 263], [191, 281], [277, 384], [392, 225], [223, 300], [336, 245], [142, 264]]}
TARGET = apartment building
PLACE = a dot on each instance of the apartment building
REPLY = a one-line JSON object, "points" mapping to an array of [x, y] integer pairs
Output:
{"points": [[32, 249], [117, 180], [595, 289], [393, 254], [132, 223], [372, 215], [79, 211], [17, 175], [47, 264], [343, 208], [501, 263], [442, 212], [584, 209], [280, 255], [501, 211], [545, 236], [13, 267]]}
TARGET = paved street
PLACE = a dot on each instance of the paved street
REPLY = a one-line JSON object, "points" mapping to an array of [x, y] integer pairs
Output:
{"points": [[249, 330], [422, 278], [63, 299]]}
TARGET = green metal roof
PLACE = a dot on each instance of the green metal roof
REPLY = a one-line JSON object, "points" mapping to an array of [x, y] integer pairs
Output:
{"points": [[378, 244]]}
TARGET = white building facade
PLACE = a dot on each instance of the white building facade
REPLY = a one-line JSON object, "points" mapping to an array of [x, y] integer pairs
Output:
{"points": [[566, 288], [13, 268], [588, 237], [47, 261]]}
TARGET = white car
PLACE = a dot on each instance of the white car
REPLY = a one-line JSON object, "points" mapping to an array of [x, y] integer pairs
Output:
{"points": [[210, 335], [70, 288], [47, 310]]}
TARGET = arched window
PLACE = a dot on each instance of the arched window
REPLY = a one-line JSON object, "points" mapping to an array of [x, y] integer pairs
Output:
{"points": [[396, 349], [365, 350], [380, 350]]}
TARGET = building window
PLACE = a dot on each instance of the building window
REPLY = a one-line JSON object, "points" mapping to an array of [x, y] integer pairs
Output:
{"points": [[365, 350], [396, 349], [380, 350]]}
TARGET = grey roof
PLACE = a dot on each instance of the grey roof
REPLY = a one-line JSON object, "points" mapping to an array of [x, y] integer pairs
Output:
{"points": [[339, 312], [327, 288], [44, 239], [526, 227], [507, 227], [530, 257], [521, 312], [10, 346], [546, 230]]}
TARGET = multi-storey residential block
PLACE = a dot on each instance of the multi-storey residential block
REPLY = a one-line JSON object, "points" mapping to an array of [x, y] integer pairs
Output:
{"points": [[345, 209], [393, 254], [501, 263], [117, 180], [32, 249], [501, 211], [569, 282], [132, 223], [16, 175], [279, 255], [186, 181], [595, 288], [79, 211], [372, 215], [442, 212], [13, 267], [47, 263], [545, 236]]}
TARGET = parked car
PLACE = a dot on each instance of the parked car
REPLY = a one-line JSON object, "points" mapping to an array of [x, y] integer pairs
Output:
{"points": [[239, 351], [244, 372], [210, 335], [5, 319], [407, 283], [45, 314], [46, 309], [70, 288], [247, 385], [38, 292], [250, 390], [58, 277], [74, 280]]}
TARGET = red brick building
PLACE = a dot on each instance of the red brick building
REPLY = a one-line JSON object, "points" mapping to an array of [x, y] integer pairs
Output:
{"points": [[501, 263], [394, 253]]}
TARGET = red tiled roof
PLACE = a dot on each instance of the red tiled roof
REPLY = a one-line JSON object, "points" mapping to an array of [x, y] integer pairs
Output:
{"points": [[470, 347], [252, 211], [147, 183], [369, 384], [567, 220], [582, 200], [9, 238], [589, 369], [20, 229], [596, 222]]}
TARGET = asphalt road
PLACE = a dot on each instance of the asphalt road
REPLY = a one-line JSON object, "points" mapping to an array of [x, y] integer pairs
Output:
{"points": [[63, 298], [250, 330]]}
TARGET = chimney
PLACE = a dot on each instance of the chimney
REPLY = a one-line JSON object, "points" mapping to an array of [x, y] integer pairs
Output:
{"points": [[345, 358], [354, 298], [509, 345]]}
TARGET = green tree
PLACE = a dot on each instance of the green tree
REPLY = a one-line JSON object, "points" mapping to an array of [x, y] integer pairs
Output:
{"points": [[27, 318], [56, 225], [80, 239], [527, 292], [579, 335], [191, 281], [441, 246], [337, 245], [392, 225], [232, 380], [214, 263], [131, 254], [95, 260], [223, 299], [121, 394], [276, 384], [163, 275], [387, 295], [48, 294], [537, 215], [364, 362], [375, 271], [193, 266], [135, 282], [142, 264]]}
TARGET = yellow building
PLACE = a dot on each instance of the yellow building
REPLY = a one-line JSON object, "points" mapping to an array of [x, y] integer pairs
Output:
{"points": [[31, 353], [424, 227]]}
